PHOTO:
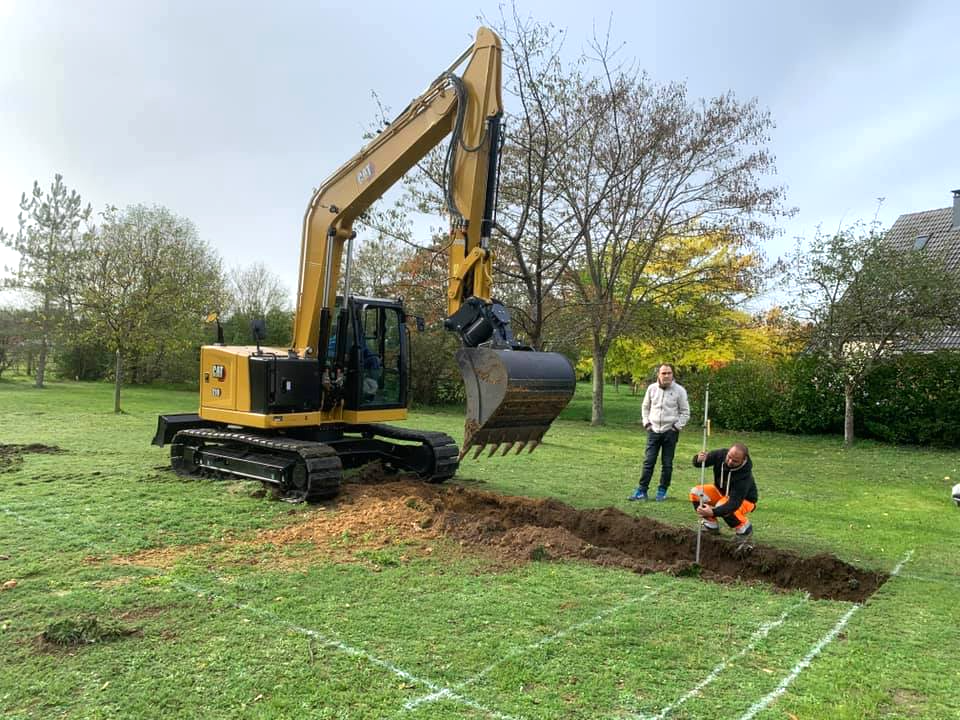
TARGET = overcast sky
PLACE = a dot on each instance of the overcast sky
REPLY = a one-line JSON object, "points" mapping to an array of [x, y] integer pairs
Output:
{"points": [[228, 113]]}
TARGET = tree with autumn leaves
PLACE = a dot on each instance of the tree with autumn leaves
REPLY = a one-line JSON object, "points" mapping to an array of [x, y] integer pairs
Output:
{"points": [[625, 208]]}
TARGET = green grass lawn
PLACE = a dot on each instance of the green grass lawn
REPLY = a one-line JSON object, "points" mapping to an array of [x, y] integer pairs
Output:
{"points": [[446, 635]]}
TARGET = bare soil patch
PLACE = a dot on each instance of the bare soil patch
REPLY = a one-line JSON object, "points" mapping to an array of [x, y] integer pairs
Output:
{"points": [[11, 456], [408, 514]]}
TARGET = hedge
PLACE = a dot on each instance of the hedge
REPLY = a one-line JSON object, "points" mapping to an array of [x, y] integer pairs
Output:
{"points": [[910, 398]]}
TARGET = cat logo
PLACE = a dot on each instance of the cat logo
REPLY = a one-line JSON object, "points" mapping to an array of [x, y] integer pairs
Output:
{"points": [[365, 173]]}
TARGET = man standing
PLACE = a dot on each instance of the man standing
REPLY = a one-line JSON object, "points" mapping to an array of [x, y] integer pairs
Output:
{"points": [[732, 496], [665, 412]]}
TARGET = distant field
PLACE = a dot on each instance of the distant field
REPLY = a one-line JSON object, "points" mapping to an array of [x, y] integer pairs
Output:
{"points": [[200, 599]]}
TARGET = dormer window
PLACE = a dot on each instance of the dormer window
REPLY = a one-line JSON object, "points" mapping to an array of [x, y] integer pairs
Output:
{"points": [[921, 242]]}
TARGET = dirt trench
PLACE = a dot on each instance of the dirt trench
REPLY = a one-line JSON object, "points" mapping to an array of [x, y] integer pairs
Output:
{"points": [[511, 530], [525, 528]]}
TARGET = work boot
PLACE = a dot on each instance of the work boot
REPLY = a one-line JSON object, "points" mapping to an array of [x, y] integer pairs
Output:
{"points": [[661, 494], [638, 494], [710, 529], [743, 544]]}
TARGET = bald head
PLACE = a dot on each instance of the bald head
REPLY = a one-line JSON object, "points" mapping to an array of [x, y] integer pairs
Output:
{"points": [[736, 455]]}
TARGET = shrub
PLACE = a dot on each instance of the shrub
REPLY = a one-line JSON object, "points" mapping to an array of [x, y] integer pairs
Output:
{"points": [[913, 398], [910, 398], [807, 398], [741, 396], [83, 361], [83, 631]]}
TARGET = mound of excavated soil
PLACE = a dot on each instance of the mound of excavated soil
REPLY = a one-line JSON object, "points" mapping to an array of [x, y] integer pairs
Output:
{"points": [[11, 456], [523, 528], [512, 530]]}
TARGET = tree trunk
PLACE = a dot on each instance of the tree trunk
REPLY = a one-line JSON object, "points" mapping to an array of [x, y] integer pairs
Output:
{"points": [[848, 414], [116, 386], [596, 414], [44, 330], [536, 335], [41, 363]]}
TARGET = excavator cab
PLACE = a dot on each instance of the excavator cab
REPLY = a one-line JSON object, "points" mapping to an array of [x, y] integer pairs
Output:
{"points": [[369, 341]]}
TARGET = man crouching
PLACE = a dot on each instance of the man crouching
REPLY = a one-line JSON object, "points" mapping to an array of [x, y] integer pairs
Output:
{"points": [[732, 496]]}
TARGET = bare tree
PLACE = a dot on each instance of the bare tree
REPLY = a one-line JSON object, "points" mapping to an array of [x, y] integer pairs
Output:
{"points": [[649, 170], [536, 236], [255, 291], [604, 174]]}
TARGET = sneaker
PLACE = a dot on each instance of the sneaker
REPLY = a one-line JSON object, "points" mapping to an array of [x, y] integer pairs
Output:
{"points": [[710, 529], [638, 494], [661, 494]]}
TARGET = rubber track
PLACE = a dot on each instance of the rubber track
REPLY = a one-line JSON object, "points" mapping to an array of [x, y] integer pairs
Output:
{"points": [[446, 454], [323, 467]]}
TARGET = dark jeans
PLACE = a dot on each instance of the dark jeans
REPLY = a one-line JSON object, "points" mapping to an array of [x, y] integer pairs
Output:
{"points": [[664, 443]]}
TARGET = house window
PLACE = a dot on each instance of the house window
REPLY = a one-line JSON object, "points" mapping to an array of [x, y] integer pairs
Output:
{"points": [[921, 242]]}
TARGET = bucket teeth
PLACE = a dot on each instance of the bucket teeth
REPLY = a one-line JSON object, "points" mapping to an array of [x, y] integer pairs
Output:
{"points": [[503, 445]]}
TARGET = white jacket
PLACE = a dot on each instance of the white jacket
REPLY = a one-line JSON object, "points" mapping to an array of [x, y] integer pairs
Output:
{"points": [[665, 408]]}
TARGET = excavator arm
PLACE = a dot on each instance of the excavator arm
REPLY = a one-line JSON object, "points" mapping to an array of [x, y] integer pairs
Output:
{"points": [[469, 106], [513, 393]]}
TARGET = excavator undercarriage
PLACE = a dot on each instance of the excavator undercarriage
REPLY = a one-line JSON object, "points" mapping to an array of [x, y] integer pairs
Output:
{"points": [[300, 468]]}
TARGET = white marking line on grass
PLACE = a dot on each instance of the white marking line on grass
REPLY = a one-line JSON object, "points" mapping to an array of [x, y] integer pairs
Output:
{"points": [[529, 648], [329, 642], [757, 636], [349, 650], [803, 664]]}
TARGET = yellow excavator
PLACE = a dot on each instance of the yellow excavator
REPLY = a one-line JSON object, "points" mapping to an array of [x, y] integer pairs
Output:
{"points": [[294, 418]]}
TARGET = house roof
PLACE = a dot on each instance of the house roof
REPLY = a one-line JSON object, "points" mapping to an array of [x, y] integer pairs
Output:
{"points": [[943, 240], [938, 224]]}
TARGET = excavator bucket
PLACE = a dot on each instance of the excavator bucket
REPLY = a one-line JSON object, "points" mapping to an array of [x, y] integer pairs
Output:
{"points": [[512, 397]]}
